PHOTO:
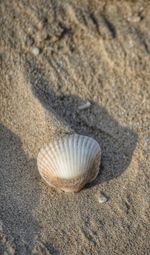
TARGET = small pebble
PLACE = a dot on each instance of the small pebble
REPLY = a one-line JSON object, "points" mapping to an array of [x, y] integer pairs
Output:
{"points": [[134, 19], [102, 198], [35, 51], [84, 106]]}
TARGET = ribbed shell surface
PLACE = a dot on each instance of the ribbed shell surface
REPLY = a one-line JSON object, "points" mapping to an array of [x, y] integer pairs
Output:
{"points": [[68, 157]]}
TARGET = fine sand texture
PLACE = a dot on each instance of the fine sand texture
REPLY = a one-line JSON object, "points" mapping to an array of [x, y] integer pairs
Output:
{"points": [[54, 57]]}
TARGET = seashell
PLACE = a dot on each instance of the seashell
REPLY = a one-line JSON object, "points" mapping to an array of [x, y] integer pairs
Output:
{"points": [[70, 162]]}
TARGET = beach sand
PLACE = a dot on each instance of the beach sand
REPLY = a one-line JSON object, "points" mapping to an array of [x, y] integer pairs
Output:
{"points": [[54, 57]]}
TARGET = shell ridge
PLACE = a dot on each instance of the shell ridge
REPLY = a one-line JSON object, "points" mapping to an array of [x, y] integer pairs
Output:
{"points": [[70, 154], [91, 156], [65, 158], [58, 156], [55, 152], [60, 142], [78, 151], [47, 155], [50, 158], [80, 155], [42, 163], [88, 152], [84, 144]]}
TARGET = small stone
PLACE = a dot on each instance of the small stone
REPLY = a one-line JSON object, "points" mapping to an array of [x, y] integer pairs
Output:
{"points": [[35, 51], [102, 198], [84, 106], [134, 19]]}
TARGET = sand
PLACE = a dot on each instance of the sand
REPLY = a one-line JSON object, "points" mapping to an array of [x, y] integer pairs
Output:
{"points": [[54, 57]]}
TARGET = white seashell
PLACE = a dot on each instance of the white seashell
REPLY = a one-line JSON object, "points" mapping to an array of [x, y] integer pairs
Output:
{"points": [[70, 162]]}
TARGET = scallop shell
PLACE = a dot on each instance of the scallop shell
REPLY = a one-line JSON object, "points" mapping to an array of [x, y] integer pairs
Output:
{"points": [[70, 162]]}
